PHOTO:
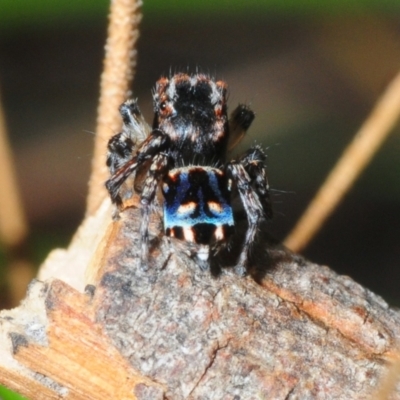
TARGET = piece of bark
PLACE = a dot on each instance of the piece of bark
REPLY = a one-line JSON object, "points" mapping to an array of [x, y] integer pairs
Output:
{"points": [[71, 265], [297, 331], [62, 352]]}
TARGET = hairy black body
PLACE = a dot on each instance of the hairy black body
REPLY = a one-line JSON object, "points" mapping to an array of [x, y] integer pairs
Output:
{"points": [[185, 153]]}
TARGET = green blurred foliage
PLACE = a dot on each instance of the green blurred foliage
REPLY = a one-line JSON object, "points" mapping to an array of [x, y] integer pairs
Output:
{"points": [[6, 394], [16, 14], [41, 13]]}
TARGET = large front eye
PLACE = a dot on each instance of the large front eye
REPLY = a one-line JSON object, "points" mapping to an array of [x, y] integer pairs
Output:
{"points": [[165, 109]]}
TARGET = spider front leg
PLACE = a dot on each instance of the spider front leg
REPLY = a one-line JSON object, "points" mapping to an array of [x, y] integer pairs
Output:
{"points": [[134, 131], [239, 122], [154, 144], [253, 162], [250, 177], [157, 171]]}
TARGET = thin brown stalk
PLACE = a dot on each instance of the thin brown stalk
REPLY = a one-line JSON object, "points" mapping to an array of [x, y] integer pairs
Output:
{"points": [[354, 159], [13, 224], [119, 65], [387, 386]]}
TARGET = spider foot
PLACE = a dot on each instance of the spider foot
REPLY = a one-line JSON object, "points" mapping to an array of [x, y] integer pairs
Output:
{"points": [[144, 265], [240, 269]]}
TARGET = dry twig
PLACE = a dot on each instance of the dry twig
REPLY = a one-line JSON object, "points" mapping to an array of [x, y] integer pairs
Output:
{"points": [[354, 159], [390, 380], [13, 224], [119, 67]]}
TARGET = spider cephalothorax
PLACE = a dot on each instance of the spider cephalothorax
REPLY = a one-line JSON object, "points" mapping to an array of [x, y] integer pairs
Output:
{"points": [[185, 153]]}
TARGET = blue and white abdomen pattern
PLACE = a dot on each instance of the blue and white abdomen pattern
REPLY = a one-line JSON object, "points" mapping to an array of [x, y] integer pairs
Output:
{"points": [[197, 205]]}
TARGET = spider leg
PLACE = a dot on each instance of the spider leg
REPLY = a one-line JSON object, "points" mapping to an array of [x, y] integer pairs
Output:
{"points": [[157, 170], [240, 120], [120, 151], [135, 125], [252, 189], [254, 163], [134, 131], [154, 144]]}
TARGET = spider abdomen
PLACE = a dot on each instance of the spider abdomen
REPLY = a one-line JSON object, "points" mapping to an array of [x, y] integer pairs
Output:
{"points": [[197, 205]]}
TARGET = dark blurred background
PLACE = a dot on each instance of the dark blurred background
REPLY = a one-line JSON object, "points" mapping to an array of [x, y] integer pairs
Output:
{"points": [[311, 72]]}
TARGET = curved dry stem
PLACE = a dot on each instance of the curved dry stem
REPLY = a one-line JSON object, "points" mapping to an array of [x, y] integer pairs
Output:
{"points": [[387, 385], [119, 64], [354, 159], [13, 224]]}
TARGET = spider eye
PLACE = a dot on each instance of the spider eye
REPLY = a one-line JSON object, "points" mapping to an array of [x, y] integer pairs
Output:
{"points": [[163, 106]]}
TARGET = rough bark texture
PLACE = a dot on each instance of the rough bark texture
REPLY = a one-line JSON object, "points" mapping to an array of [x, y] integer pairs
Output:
{"points": [[294, 330]]}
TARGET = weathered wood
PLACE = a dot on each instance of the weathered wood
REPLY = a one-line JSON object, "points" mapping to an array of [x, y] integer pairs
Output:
{"points": [[296, 331], [62, 352]]}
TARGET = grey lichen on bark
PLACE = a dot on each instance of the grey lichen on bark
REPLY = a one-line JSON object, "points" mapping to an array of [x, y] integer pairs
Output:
{"points": [[290, 330], [294, 330]]}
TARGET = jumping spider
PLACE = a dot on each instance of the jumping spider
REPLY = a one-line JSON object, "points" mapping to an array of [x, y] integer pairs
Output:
{"points": [[184, 154]]}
